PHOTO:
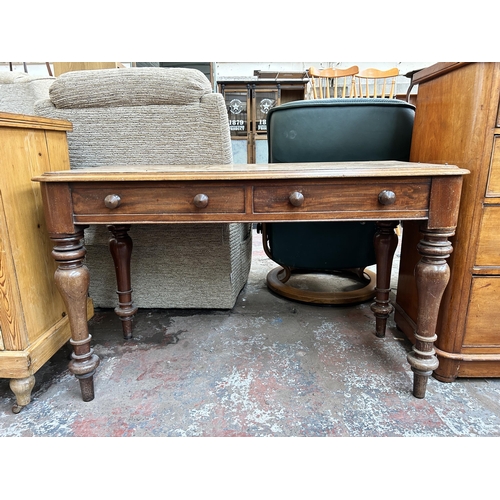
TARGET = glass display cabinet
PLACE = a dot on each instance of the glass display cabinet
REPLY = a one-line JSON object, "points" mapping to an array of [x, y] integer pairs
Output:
{"points": [[248, 100]]}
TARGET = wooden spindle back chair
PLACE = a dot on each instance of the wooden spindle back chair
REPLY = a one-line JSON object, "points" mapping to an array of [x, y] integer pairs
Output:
{"points": [[373, 82], [332, 82]]}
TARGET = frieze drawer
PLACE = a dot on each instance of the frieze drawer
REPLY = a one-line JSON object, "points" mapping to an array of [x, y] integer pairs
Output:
{"points": [[393, 196], [162, 199]]}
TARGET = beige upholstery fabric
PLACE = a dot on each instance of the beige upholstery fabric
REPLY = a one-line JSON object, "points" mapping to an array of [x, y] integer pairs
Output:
{"points": [[156, 116], [19, 91], [129, 87]]}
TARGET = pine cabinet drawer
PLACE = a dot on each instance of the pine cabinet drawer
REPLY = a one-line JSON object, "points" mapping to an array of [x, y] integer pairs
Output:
{"points": [[161, 198], [488, 250], [483, 317]]}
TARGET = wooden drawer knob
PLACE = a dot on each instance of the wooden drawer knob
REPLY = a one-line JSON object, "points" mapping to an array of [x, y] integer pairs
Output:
{"points": [[386, 197], [112, 201], [296, 199], [200, 200]]}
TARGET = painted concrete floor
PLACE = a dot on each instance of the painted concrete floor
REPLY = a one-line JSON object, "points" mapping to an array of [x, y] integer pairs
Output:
{"points": [[268, 367]]}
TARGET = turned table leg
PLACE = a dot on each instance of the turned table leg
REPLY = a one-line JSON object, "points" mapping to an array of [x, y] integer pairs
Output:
{"points": [[386, 242], [120, 245], [21, 387], [432, 275], [72, 280]]}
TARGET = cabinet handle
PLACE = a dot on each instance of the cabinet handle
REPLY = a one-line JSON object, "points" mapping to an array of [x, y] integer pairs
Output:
{"points": [[112, 201], [200, 200], [386, 197], [296, 199]]}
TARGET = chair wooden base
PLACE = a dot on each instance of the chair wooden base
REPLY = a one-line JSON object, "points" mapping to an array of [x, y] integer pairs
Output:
{"points": [[278, 277]]}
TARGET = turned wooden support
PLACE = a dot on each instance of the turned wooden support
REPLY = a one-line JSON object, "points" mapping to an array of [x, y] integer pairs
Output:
{"points": [[386, 242], [72, 280], [22, 387], [120, 245], [432, 275]]}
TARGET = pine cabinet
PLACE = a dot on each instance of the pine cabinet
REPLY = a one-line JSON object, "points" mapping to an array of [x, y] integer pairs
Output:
{"points": [[457, 121], [33, 320]]}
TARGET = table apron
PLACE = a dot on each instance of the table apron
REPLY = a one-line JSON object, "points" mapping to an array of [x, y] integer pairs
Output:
{"points": [[254, 201], [229, 218]]}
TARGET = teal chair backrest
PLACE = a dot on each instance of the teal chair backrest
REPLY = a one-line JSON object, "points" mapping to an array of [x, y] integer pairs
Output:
{"points": [[363, 129]]}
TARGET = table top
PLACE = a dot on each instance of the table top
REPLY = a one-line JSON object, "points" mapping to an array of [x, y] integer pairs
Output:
{"points": [[265, 171]]}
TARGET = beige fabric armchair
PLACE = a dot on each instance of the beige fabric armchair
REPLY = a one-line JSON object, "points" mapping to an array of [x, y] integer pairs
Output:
{"points": [[19, 91], [156, 116]]}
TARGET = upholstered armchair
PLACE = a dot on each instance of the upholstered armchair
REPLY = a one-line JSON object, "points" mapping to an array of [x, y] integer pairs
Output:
{"points": [[19, 91], [135, 116], [331, 130]]}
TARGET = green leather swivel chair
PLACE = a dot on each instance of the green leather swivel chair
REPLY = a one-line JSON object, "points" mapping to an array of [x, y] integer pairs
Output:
{"points": [[337, 130]]}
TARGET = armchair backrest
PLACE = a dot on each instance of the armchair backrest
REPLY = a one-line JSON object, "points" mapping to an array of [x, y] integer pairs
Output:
{"points": [[133, 116], [340, 130], [19, 91]]}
